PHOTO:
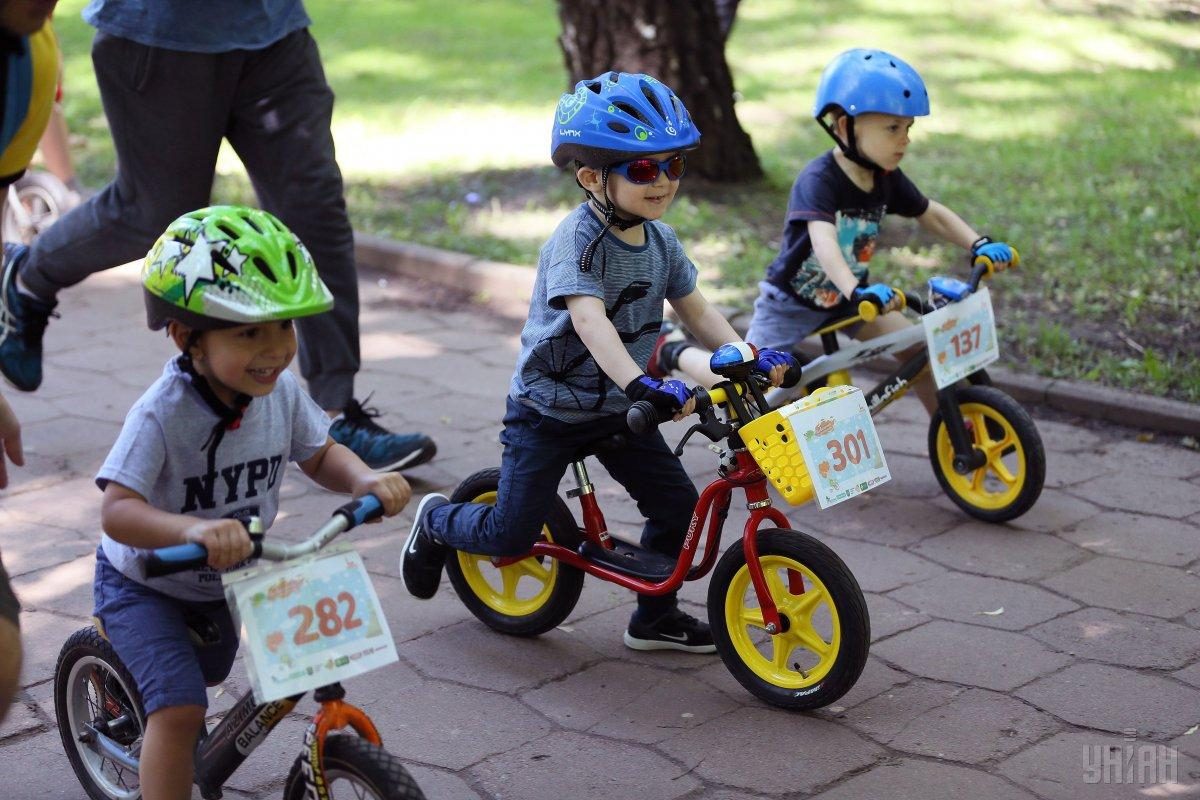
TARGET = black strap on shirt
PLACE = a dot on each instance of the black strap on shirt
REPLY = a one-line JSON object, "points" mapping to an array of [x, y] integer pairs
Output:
{"points": [[229, 418]]}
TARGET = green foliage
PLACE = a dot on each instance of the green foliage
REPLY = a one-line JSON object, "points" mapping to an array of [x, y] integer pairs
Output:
{"points": [[1070, 129]]}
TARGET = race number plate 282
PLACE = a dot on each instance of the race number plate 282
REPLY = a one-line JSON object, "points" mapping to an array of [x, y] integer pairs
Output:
{"points": [[837, 439], [309, 622], [961, 338]]}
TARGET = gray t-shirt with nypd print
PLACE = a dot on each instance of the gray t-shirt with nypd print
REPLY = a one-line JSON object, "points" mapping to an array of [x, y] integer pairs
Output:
{"points": [[555, 374], [158, 455]]}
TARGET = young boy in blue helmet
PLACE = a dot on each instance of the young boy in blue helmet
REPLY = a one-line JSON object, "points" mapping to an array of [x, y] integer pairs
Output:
{"points": [[867, 101], [595, 313]]}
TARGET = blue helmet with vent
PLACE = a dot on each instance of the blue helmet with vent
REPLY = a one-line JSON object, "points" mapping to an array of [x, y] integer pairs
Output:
{"points": [[862, 81], [619, 116]]}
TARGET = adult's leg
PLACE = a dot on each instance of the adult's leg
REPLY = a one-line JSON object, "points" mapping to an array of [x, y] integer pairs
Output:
{"points": [[166, 112], [281, 130]]}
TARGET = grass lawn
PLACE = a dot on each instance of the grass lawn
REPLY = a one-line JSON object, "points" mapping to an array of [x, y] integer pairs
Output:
{"points": [[1070, 128]]}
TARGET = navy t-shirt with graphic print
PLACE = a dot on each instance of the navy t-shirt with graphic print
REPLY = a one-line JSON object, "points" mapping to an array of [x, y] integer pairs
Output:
{"points": [[556, 374], [824, 192]]}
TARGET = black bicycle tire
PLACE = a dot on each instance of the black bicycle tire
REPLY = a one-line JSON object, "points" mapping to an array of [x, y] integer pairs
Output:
{"points": [[84, 642], [1027, 436], [378, 769], [851, 608], [568, 584]]}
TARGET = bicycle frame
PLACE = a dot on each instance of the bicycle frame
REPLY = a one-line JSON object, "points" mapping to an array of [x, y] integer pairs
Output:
{"points": [[738, 471], [247, 724], [833, 368]]}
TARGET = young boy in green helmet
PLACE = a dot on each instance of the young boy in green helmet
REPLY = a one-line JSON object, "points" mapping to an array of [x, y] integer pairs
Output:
{"points": [[202, 451], [595, 311], [866, 101]]}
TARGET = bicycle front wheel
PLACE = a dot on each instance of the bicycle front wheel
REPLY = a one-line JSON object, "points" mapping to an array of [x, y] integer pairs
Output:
{"points": [[527, 597], [355, 768], [95, 696], [826, 633], [1011, 480]]}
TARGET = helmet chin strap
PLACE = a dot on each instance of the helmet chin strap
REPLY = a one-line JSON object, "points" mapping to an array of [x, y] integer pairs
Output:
{"points": [[850, 150], [611, 220], [229, 418]]}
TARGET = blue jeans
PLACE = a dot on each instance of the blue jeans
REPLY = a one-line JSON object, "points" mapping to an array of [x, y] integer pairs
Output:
{"points": [[537, 451]]}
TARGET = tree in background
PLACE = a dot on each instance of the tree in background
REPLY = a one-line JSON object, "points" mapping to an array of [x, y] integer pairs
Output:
{"points": [[680, 42]]}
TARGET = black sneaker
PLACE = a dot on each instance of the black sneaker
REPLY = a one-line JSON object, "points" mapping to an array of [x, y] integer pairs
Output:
{"points": [[423, 556], [23, 320], [674, 630], [378, 447]]}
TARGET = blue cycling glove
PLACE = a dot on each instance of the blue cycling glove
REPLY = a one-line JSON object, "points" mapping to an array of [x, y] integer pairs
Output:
{"points": [[768, 359], [667, 396], [880, 293], [997, 252]]}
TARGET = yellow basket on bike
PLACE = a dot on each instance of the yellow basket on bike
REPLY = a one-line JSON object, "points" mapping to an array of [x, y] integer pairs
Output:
{"points": [[774, 445]]}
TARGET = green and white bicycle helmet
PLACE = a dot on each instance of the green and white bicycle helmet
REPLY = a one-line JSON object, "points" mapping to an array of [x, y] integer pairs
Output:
{"points": [[223, 266]]}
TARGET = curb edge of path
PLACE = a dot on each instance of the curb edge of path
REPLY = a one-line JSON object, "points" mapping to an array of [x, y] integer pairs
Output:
{"points": [[505, 288]]}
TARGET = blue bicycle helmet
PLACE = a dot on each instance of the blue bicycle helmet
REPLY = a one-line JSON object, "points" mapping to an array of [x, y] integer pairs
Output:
{"points": [[865, 81], [619, 116]]}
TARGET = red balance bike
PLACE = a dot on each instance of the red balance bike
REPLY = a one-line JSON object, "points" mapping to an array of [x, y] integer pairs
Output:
{"points": [[789, 620]]}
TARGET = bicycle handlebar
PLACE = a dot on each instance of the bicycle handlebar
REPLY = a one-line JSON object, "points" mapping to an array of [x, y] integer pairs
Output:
{"points": [[643, 417], [178, 558]]}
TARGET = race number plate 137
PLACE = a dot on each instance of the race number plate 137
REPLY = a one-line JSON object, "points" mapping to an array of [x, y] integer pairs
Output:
{"points": [[837, 439], [309, 622], [961, 338]]}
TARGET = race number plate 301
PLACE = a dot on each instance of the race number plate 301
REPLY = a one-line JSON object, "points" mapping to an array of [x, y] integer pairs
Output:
{"points": [[961, 338], [309, 622], [838, 441]]}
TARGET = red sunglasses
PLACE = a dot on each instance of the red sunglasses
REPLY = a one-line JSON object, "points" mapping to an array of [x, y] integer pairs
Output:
{"points": [[646, 170]]}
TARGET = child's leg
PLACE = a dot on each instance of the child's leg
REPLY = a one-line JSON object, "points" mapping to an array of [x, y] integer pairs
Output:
{"points": [[656, 480], [536, 453], [166, 767], [891, 322], [149, 631], [779, 322]]}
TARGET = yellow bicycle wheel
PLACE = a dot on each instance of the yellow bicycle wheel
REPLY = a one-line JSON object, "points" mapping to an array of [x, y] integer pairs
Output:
{"points": [[1011, 480], [523, 598], [822, 647]]}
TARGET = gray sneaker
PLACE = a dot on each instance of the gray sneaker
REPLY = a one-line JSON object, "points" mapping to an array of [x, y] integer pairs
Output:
{"points": [[423, 557]]}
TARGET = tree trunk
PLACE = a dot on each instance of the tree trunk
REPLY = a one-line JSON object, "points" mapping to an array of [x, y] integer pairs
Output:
{"points": [[681, 43]]}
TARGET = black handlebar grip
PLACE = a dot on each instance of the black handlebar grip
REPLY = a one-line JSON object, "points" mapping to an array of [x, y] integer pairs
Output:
{"points": [[791, 377], [642, 417]]}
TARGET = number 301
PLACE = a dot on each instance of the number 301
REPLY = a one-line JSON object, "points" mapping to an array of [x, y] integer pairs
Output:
{"points": [[849, 450]]}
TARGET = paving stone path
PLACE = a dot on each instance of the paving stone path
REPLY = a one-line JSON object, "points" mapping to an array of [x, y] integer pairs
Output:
{"points": [[1094, 659]]}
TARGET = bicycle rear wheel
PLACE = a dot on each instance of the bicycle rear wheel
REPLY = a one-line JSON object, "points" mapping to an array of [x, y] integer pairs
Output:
{"points": [[821, 650], [525, 598], [355, 768], [1011, 480], [94, 695]]}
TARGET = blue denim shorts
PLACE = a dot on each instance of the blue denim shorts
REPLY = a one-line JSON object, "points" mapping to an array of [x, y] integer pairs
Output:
{"points": [[782, 322], [149, 630]]}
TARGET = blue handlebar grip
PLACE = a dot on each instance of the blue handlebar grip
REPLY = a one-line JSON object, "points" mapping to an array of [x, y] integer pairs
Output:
{"points": [[180, 557], [362, 509]]}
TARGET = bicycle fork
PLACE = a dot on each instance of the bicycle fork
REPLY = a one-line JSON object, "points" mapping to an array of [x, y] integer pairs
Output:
{"points": [[247, 724]]}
